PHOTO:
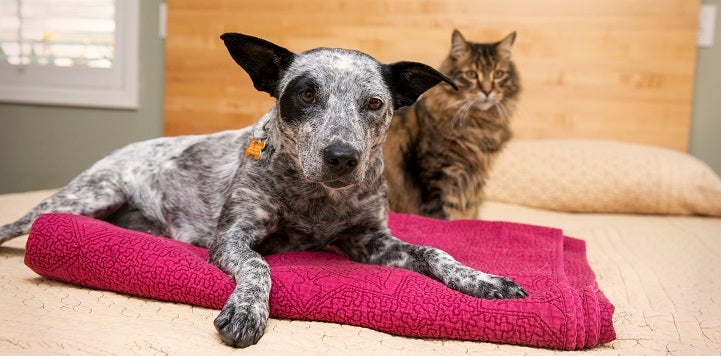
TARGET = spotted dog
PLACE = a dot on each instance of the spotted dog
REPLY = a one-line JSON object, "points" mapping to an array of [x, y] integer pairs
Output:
{"points": [[307, 176]]}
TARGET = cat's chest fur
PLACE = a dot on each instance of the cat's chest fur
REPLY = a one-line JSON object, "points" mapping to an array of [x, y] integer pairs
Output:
{"points": [[477, 137]]}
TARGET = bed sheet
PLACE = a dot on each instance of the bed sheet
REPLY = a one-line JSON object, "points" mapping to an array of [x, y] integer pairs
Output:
{"points": [[661, 273]]}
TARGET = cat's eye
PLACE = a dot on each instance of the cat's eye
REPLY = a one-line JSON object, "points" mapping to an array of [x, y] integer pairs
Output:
{"points": [[499, 73], [307, 95], [374, 104], [471, 74]]}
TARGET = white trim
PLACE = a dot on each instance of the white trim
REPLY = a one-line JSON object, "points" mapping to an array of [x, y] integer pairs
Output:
{"points": [[163, 20], [91, 87]]}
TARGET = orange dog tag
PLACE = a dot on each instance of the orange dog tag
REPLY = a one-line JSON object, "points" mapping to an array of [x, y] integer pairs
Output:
{"points": [[255, 148]]}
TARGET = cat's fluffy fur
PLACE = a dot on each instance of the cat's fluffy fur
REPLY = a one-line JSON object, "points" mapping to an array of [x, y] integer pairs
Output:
{"points": [[439, 150]]}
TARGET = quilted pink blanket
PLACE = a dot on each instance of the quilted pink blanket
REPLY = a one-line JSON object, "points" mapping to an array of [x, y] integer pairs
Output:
{"points": [[565, 309]]}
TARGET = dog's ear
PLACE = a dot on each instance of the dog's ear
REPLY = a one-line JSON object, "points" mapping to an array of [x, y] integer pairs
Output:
{"points": [[262, 60], [408, 80]]}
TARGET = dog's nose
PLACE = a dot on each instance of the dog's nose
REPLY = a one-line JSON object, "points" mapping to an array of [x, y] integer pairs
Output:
{"points": [[340, 158]]}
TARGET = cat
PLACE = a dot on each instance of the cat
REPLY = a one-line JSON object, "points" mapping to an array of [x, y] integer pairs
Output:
{"points": [[439, 150]]}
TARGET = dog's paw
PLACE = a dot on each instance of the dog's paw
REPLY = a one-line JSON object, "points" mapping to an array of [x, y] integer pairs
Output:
{"points": [[499, 288], [488, 286], [241, 325]]}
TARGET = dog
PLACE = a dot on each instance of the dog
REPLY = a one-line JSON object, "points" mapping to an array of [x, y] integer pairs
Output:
{"points": [[307, 176]]}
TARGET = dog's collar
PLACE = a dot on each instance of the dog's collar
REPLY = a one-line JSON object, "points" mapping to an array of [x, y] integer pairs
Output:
{"points": [[258, 138]]}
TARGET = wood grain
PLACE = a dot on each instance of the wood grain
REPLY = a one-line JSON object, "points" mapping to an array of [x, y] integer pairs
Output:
{"points": [[609, 69]]}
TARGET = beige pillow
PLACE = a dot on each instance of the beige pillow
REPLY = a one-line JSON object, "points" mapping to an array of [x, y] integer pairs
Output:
{"points": [[603, 176]]}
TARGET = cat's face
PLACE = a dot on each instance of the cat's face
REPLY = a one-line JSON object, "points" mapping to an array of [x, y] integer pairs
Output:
{"points": [[484, 72]]}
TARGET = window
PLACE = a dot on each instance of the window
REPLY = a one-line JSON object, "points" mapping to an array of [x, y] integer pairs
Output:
{"points": [[70, 52]]}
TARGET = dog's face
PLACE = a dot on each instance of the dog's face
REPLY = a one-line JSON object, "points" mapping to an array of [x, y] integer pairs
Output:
{"points": [[334, 105]]}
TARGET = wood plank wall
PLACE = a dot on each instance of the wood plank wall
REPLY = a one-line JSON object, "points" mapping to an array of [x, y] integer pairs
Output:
{"points": [[611, 69]]}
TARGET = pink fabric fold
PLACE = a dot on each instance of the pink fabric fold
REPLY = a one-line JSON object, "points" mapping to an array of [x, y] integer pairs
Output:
{"points": [[565, 309]]}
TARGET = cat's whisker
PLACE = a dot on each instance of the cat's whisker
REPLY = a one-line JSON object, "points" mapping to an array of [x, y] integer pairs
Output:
{"points": [[461, 115], [506, 111], [502, 110], [457, 116]]}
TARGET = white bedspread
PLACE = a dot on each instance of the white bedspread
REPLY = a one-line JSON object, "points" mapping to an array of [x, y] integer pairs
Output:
{"points": [[661, 273]]}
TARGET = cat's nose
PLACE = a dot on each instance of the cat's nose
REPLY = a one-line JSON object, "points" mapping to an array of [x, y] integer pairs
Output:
{"points": [[486, 89]]}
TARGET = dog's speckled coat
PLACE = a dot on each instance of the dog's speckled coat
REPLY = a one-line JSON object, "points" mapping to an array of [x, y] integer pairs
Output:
{"points": [[318, 182]]}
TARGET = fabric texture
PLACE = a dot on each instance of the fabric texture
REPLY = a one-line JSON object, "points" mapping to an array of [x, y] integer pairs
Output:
{"points": [[598, 176], [565, 309]]}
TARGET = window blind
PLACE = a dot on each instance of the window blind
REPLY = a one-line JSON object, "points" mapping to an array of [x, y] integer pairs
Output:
{"points": [[67, 33]]}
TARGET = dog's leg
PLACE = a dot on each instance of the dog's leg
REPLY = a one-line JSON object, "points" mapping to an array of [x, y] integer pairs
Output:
{"points": [[242, 321], [94, 195], [383, 249]]}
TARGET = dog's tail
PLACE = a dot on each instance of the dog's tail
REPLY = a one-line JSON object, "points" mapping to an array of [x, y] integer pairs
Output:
{"points": [[18, 228]]}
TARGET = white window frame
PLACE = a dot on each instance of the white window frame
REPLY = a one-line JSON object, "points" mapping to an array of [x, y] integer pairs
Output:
{"points": [[115, 87]]}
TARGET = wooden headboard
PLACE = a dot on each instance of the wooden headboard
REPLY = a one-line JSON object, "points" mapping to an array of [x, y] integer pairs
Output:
{"points": [[609, 69]]}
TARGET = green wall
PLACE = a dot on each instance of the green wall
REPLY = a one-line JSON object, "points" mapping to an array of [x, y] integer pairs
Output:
{"points": [[44, 146], [706, 118]]}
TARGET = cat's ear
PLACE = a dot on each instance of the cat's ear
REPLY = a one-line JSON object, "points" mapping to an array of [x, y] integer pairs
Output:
{"points": [[459, 47], [408, 80], [503, 48]]}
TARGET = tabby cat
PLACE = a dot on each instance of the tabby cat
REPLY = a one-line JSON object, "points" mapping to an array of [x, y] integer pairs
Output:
{"points": [[439, 150]]}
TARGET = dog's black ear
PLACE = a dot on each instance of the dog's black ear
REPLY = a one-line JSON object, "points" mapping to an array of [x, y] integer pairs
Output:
{"points": [[262, 60], [408, 80]]}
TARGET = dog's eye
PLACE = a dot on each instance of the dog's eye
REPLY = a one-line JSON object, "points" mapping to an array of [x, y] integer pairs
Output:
{"points": [[471, 74], [307, 95], [375, 103]]}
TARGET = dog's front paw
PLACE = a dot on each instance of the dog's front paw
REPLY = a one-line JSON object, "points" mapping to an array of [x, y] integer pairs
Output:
{"points": [[241, 324]]}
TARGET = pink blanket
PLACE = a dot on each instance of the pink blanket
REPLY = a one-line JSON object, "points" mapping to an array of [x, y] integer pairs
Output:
{"points": [[565, 309]]}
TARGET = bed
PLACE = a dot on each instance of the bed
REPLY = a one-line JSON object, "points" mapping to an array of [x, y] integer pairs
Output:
{"points": [[652, 239], [606, 165]]}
